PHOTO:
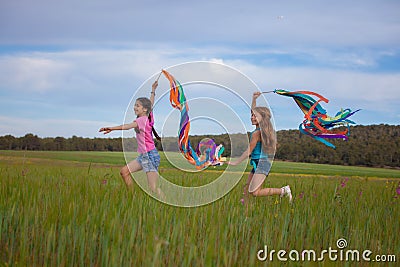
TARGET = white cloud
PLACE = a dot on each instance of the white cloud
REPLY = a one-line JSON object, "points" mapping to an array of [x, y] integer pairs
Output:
{"points": [[99, 70], [27, 73], [332, 83], [92, 85]]}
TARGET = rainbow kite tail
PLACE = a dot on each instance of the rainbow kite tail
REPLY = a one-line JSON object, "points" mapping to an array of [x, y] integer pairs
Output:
{"points": [[178, 101], [317, 123]]}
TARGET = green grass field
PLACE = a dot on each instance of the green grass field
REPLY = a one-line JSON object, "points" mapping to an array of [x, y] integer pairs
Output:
{"points": [[72, 209]]}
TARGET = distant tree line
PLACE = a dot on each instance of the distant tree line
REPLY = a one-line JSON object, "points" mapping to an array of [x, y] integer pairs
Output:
{"points": [[33, 142], [373, 145]]}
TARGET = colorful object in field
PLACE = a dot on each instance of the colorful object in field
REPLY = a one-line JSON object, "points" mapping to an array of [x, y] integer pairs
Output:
{"points": [[317, 123], [207, 153]]}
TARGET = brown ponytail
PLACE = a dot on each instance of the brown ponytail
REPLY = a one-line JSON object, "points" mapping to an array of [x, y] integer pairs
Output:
{"points": [[154, 130]]}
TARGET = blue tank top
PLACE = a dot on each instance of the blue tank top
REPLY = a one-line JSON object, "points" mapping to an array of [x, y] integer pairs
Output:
{"points": [[257, 151]]}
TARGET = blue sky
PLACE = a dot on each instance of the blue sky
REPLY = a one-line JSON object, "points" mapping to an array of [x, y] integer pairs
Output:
{"points": [[70, 67]]}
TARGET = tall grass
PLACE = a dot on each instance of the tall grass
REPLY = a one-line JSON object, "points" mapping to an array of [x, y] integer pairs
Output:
{"points": [[60, 213]]}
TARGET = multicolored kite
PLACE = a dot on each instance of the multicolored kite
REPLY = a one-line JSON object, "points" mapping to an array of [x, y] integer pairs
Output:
{"points": [[207, 153], [317, 123]]}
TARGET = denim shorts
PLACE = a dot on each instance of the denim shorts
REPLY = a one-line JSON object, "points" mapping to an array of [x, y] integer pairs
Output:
{"points": [[263, 166], [149, 161]]}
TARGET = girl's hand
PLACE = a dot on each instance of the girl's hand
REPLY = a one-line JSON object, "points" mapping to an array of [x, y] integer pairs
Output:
{"points": [[154, 86], [256, 95], [233, 163], [106, 130]]}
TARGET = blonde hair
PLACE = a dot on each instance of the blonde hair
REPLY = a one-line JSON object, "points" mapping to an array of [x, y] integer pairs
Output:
{"points": [[268, 135]]}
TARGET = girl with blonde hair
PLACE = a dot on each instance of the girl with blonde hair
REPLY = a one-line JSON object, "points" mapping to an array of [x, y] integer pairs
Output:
{"points": [[261, 149]]}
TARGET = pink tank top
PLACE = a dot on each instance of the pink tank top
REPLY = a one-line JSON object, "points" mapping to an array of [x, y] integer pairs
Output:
{"points": [[144, 136]]}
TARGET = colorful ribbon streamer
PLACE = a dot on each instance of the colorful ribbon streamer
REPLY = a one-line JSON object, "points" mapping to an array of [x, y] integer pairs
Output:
{"points": [[317, 123], [207, 153]]}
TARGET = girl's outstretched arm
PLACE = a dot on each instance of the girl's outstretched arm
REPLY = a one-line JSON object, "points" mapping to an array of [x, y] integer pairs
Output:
{"points": [[126, 126], [256, 137]]}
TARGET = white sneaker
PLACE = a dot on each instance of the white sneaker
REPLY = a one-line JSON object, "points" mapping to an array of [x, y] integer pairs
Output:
{"points": [[287, 192]]}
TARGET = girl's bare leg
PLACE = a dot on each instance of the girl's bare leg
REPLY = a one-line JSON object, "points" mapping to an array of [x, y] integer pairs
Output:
{"points": [[284, 191], [260, 192], [152, 178], [258, 180], [246, 186], [246, 192], [126, 171]]}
